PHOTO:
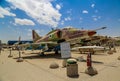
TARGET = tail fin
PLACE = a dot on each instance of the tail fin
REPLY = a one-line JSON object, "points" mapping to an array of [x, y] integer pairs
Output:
{"points": [[35, 36]]}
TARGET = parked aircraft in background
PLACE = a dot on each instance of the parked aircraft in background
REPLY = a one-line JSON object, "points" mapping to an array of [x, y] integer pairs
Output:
{"points": [[93, 49]]}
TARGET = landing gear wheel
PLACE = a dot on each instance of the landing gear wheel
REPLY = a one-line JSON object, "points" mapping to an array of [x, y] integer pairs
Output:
{"points": [[56, 52], [42, 54]]}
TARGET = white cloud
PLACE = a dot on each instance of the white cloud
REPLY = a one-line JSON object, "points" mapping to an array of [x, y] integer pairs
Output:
{"points": [[67, 19], [5, 12], [99, 17], [23, 21], [85, 11], [81, 18], [69, 11], [7, 8], [93, 5], [13, 7], [58, 7], [38, 31], [29, 33], [95, 18], [62, 22], [29, 30], [1, 16], [11, 22], [96, 11], [40, 10]]}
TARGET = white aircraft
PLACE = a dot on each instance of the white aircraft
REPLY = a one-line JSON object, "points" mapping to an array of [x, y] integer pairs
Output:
{"points": [[92, 49]]}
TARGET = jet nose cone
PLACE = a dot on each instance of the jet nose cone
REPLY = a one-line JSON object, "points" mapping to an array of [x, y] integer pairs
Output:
{"points": [[91, 33]]}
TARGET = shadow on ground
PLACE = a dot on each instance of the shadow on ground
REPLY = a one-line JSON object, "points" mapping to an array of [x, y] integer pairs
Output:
{"points": [[38, 56]]}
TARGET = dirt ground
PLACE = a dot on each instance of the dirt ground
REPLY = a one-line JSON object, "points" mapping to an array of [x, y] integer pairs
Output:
{"points": [[36, 67]]}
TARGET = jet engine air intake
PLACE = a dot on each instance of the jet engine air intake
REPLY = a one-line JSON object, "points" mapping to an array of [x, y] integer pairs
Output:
{"points": [[59, 34], [91, 33]]}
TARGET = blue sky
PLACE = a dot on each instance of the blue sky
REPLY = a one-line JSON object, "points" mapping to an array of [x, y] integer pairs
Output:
{"points": [[19, 17]]}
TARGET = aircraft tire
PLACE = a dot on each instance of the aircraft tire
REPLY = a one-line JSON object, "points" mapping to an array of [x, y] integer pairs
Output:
{"points": [[56, 52]]}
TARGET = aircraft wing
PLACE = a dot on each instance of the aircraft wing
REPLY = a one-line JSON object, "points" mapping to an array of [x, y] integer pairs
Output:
{"points": [[48, 42]]}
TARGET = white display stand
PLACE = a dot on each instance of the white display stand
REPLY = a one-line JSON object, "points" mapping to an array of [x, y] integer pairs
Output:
{"points": [[65, 50]]}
